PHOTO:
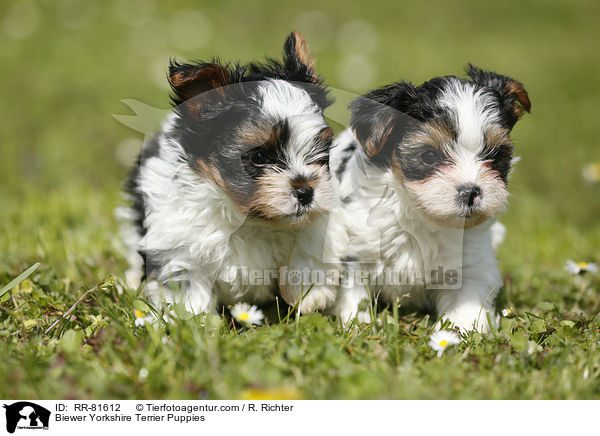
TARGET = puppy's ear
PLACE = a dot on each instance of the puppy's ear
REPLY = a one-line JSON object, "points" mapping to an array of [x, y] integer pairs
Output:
{"points": [[377, 113], [513, 94], [296, 55], [189, 80]]}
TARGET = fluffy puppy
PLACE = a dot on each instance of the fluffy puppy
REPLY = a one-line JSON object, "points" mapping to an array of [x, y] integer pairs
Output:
{"points": [[235, 186], [423, 173]]}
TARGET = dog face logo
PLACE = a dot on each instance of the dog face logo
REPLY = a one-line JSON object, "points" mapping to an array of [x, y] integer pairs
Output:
{"points": [[26, 415]]}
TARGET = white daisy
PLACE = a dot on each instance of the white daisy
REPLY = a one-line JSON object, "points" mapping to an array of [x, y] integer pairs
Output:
{"points": [[581, 267], [591, 172], [141, 318], [507, 313], [143, 373], [247, 314], [441, 340]]}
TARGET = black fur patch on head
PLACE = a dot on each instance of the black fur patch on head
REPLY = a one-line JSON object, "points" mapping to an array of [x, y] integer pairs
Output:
{"points": [[190, 79], [382, 119], [512, 96], [214, 99], [297, 67], [221, 124]]}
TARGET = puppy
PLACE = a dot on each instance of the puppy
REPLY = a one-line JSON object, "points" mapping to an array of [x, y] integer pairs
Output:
{"points": [[423, 173], [236, 182]]}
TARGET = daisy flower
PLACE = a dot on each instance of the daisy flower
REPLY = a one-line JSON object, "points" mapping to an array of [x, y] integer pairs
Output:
{"points": [[247, 314], [581, 268], [507, 313], [441, 340], [143, 373], [141, 318], [591, 172]]}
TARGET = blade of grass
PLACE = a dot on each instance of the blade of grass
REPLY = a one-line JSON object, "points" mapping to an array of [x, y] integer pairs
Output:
{"points": [[19, 278], [68, 312], [296, 305]]}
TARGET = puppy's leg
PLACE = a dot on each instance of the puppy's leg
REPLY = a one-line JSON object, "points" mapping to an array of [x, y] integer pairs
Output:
{"points": [[194, 295], [347, 304], [468, 307], [307, 275], [308, 280]]}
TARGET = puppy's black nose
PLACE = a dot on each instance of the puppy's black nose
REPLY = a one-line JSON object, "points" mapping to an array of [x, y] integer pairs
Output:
{"points": [[304, 195], [469, 194]]}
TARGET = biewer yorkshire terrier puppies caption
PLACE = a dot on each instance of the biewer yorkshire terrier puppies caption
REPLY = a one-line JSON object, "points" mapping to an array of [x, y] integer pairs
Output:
{"points": [[423, 173], [237, 180]]}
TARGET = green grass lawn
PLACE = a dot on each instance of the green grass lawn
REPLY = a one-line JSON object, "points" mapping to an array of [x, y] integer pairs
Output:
{"points": [[66, 66]]}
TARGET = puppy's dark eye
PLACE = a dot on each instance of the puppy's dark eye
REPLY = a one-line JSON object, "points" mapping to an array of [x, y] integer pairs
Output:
{"points": [[259, 157], [429, 157]]}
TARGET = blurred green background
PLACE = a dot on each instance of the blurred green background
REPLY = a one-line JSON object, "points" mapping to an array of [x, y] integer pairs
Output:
{"points": [[66, 65]]}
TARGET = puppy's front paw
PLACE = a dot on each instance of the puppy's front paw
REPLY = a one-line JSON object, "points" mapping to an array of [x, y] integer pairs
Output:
{"points": [[347, 316], [469, 319], [318, 298]]}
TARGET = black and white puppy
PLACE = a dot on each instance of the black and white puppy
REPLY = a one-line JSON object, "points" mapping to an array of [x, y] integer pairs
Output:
{"points": [[237, 180], [423, 173]]}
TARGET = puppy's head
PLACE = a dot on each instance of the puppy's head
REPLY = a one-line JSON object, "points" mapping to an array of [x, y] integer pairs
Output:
{"points": [[446, 141], [258, 132]]}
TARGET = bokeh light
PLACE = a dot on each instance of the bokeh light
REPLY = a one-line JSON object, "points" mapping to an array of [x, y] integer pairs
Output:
{"points": [[356, 72], [317, 27], [134, 12], [75, 14], [357, 36], [21, 19], [189, 29]]}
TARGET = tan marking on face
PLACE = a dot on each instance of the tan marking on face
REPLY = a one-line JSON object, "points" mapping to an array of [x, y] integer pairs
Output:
{"points": [[210, 172], [274, 200], [261, 135], [306, 183], [497, 136], [273, 197], [434, 196], [435, 134]]}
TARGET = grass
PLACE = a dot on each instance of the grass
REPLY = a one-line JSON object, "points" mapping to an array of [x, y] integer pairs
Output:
{"points": [[60, 176]]}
